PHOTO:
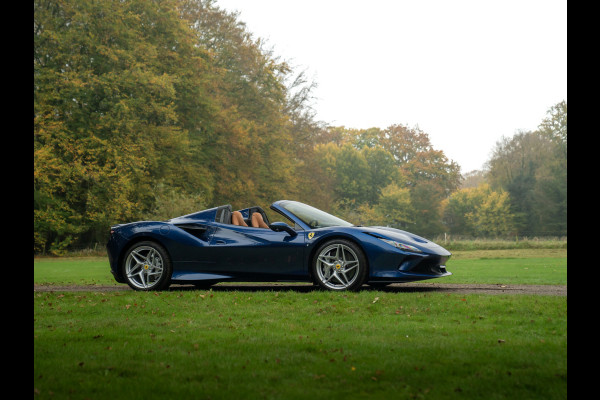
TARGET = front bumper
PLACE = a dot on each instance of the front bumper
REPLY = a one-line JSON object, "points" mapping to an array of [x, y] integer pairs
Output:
{"points": [[410, 268]]}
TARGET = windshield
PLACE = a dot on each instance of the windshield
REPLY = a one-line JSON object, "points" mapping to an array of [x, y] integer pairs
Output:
{"points": [[311, 216]]}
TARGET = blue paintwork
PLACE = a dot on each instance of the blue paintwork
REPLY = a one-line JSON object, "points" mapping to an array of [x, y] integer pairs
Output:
{"points": [[201, 249]]}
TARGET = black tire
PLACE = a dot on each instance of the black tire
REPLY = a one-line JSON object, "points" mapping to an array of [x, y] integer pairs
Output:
{"points": [[147, 266], [339, 264]]}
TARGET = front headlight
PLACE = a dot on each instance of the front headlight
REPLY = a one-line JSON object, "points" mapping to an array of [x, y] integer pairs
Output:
{"points": [[402, 246]]}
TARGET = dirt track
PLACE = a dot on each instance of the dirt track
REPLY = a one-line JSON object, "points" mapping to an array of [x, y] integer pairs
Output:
{"points": [[543, 290]]}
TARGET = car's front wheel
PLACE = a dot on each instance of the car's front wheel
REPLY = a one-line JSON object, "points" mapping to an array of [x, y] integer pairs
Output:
{"points": [[339, 265], [147, 267]]}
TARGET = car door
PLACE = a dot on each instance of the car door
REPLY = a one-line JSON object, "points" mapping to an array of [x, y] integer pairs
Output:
{"points": [[255, 253]]}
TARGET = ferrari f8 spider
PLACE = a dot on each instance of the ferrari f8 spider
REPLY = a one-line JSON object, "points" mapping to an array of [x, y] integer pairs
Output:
{"points": [[205, 248]]}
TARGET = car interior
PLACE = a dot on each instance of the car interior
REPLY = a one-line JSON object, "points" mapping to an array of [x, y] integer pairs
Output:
{"points": [[224, 214]]}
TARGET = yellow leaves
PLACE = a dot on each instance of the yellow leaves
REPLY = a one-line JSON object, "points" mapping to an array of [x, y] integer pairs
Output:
{"points": [[479, 210]]}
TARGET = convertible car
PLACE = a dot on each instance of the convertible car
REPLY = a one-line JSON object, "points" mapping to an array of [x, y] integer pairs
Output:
{"points": [[205, 248]]}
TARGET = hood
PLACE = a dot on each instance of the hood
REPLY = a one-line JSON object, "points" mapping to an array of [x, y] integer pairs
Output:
{"points": [[406, 238]]}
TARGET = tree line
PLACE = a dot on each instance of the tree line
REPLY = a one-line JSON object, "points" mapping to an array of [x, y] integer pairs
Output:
{"points": [[149, 109]]}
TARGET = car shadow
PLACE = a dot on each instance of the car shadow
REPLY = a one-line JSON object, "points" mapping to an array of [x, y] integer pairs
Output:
{"points": [[303, 288]]}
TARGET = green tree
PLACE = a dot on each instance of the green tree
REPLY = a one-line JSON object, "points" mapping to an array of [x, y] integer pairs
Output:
{"points": [[532, 168], [142, 102], [554, 126], [251, 151], [492, 217], [106, 79], [382, 171], [427, 172], [349, 172], [455, 209], [395, 208], [479, 211], [356, 176], [397, 155], [426, 198], [551, 191]]}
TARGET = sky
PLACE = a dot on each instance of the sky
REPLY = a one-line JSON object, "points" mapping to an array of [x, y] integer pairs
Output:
{"points": [[467, 73]]}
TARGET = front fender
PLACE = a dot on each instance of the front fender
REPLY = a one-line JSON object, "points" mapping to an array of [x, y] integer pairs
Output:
{"points": [[320, 236]]}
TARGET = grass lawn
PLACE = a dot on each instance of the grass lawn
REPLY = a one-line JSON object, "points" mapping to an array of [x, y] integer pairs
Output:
{"points": [[289, 344], [286, 345], [523, 267], [72, 270]]}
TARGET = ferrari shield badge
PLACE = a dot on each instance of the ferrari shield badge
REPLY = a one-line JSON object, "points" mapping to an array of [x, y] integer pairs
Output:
{"points": [[310, 235]]}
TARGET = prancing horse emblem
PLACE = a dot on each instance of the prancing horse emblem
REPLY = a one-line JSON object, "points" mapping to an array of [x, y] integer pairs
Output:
{"points": [[310, 235]]}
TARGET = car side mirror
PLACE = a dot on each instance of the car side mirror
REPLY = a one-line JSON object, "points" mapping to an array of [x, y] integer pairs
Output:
{"points": [[283, 227]]}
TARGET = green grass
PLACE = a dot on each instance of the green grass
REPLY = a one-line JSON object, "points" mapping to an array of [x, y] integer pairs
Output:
{"points": [[525, 267], [287, 345], [72, 270], [502, 244], [294, 344]]}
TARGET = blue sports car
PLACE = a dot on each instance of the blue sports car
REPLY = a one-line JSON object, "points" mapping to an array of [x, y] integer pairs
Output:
{"points": [[205, 248]]}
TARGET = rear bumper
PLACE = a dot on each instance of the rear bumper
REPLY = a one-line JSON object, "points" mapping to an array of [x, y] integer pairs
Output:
{"points": [[112, 250]]}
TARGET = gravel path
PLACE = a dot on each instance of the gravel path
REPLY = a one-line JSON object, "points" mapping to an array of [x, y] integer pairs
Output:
{"points": [[543, 290]]}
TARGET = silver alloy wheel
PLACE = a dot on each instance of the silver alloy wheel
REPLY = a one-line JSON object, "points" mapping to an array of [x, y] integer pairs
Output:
{"points": [[338, 266], [144, 267]]}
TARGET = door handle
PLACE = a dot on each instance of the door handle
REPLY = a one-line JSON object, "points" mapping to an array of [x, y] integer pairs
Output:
{"points": [[220, 242]]}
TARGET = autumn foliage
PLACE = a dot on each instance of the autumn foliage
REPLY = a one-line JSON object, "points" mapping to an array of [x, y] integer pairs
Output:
{"points": [[152, 109]]}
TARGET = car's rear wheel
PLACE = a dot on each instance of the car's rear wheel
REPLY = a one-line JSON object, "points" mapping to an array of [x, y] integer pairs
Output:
{"points": [[147, 267], [339, 265]]}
